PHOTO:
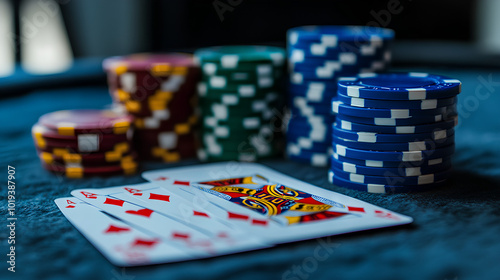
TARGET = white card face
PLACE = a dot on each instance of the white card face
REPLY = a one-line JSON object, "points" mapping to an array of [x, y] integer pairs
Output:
{"points": [[120, 243], [193, 239], [296, 210]]}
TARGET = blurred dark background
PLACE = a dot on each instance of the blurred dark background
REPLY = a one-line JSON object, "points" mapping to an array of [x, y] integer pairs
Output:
{"points": [[43, 37]]}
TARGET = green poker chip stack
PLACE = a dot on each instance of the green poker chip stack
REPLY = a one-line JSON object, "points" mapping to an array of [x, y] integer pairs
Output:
{"points": [[240, 98]]}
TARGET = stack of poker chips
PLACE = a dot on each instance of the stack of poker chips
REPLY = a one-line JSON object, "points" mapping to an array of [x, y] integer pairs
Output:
{"points": [[317, 56], [239, 95], [81, 143], [159, 91], [394, 132]]}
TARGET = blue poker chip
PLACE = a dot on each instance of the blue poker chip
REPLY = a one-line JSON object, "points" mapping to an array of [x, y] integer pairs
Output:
{"points": [[381, 188], [344, 109], [399, 86], [404, 146], [400, 171], [399, 122], [312, 158], [330, 35], [413, 156], [303, 51], [397, 104], [406, 129], [373, 137], [392, 164], [391, 181], [301, 106]]}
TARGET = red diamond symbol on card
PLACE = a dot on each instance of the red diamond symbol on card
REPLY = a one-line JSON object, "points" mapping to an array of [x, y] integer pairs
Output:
{"points": [[162, 197], [143, 212], [70, 206], [259, 222], [116, 202], [356, 209], [115, 229], [184, 183], [144, 242], [237, 216], [161, 178], [178, 235], [201, 214]]}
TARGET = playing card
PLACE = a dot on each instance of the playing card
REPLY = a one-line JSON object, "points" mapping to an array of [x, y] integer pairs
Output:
{"points": [[296, 210], [200, 239], [120, 243]]}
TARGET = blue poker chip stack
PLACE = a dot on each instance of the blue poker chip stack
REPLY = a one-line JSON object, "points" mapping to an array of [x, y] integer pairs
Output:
{"points": [[317, 56], [394, 132]]}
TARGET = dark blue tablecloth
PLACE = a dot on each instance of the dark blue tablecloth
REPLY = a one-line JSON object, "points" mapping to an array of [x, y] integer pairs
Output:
{"points": [[455, 234]]}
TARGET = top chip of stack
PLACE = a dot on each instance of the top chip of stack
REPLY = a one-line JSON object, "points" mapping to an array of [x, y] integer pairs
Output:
{"points": [[240, 88], [394, 132], [85, 142], [159, 91], [317, 56]]}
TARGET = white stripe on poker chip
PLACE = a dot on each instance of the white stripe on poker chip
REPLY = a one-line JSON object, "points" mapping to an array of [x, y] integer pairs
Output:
{"points": [[347, 58], [211, 144], [297, 56], [349, 167], [346, 125], [229, 61], [167, 140], [66, 124], [417, 93], [293, 149], [293, 37], [230, 99], [209, 68], [173, 83], [314, 95], [297, 78], [264, 70], [319, 160], [202, 155], [375, 188], [88, 142], [128, 82], [330, 41], [221, 131], [454, 81], [358, 178], [435, 161], [259, 105], [246, 91], [418, 74], [417, 146], [202, 89], [349, 79], [426, 179], [318, 49], [335, 107], [387, 56], [210, 121], [405, 129], [353, 90], [357, 102], [251, 123], [247, 157], [374, 163], [218, 82], [161, 114], [438, 118], [304, 143], [429, 104], [412, 156], [413, 171], [440, 134], [278, 59], [220, 111], [384, 121], [265, 82], [151, 123], [367, 50], [340, 150], [367, 75], [369, 137], [400, 113]]}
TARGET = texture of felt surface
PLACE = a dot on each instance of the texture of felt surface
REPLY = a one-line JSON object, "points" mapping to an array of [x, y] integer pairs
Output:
{"points": [[455, 234]]}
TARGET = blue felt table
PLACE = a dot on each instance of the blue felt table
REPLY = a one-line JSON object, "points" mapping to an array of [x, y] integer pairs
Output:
{"points": [[455, 234]]}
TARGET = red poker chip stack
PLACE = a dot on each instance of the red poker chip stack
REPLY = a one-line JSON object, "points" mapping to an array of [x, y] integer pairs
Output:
{"points": [[159, 91], [79, 143]]}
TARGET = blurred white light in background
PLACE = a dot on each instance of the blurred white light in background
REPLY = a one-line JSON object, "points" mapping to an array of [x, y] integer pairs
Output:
{"points": [[488, 26], [45, 46], [7, 49]]}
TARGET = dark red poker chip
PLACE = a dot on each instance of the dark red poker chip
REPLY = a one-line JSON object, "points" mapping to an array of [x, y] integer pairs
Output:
{"points": [[74, 122]]}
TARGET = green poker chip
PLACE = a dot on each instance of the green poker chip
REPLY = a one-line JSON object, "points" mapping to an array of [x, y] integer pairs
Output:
{"points": [[230, 57]]}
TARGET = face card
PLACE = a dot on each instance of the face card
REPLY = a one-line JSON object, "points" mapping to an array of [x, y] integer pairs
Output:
{"points": [[120, 243], [300, 210], [196, 239]]}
